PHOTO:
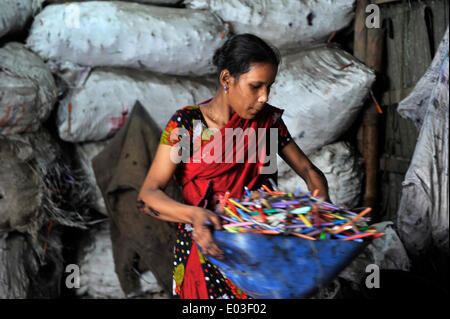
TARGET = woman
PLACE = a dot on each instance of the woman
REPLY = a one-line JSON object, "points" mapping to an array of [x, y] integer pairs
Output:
{"points": [[247, 68]]}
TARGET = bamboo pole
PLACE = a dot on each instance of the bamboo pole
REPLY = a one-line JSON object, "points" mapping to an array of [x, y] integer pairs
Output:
{"points": [[374, 60], [368, 48], [360, 37]]}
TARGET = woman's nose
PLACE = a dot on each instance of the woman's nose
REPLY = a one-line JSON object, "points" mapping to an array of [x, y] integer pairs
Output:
{"points": [[264, 97]]}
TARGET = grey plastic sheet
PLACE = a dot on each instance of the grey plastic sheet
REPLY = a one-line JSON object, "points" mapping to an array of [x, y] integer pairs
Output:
{"points": [[423, 211]]}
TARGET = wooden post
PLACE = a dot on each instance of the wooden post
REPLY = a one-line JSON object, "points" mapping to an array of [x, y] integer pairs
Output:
{"points": [[374, 57], [368, 48], [360, 38]]}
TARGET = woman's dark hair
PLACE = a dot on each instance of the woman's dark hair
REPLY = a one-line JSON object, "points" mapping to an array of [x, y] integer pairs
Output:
{"points": [[240, 51]]}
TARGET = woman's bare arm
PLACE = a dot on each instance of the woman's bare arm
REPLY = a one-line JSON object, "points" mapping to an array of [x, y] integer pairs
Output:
{"points": [[299, 162], [153, 201]]}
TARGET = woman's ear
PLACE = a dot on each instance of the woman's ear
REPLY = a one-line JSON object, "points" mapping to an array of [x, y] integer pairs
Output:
{"points": [[225, 78]]}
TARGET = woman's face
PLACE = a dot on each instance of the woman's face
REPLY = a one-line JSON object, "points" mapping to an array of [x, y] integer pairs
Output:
{"points": [[248, 93]]}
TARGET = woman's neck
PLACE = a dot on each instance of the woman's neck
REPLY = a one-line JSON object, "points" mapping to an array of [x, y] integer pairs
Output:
{"points": [[217, 113]]}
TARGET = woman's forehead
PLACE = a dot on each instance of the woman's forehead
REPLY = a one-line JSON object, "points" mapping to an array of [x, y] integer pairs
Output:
{"points": [[261, 72]]}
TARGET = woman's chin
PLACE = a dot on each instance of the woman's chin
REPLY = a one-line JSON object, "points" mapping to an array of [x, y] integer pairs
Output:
{"points": [[251, 115]]}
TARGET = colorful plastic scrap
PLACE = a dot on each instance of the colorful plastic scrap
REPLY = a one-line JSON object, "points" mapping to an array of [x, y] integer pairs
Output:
{"points": [[301, 214]]}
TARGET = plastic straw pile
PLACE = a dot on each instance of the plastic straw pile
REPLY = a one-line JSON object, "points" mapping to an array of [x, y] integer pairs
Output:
{"points": [[301, 214]]}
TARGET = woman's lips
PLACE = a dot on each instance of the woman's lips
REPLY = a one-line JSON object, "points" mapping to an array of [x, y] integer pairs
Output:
{"points": [[253, 111]]}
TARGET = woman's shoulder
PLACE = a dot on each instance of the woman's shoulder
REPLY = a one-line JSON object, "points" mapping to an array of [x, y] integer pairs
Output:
{"points": [[187, 111], [180, 120], [189, 108], [274, 109], [192, 109], [273, 112], [185, 115]]}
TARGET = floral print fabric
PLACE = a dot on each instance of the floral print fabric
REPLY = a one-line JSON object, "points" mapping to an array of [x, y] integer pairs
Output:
{"points": [[217, 285], [185, 119]]}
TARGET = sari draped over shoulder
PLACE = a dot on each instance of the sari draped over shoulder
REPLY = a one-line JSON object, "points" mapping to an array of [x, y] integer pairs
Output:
{"points": [[202, 180], [213, 169]]}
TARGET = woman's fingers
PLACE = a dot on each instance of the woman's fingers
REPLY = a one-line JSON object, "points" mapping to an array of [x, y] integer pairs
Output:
{"points": [[216, 252], [203, 222], [211, 247], [216, 221], [205, 240]]}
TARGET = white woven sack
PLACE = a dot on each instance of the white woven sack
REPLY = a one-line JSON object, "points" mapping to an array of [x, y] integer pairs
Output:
{"points": [[322, 91], [287, 24], [14, 14], [100, 107], [343, 169], [99, 33], [96, 262]]}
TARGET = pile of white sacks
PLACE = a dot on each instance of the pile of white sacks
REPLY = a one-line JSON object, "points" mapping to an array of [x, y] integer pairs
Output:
{"points": [[105, 55]]}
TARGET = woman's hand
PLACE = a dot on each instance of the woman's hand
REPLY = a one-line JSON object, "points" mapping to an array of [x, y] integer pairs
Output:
{"points": [[300, 163], [202, 220]]}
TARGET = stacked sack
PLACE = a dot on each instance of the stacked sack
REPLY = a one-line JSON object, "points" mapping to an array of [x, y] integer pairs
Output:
{"points": [[22, 189], [99, 279], [39, 193], [15, 14], [28, 90], [122, 34], [342, 168], [290, 25], [332, 86], [153, 54]]}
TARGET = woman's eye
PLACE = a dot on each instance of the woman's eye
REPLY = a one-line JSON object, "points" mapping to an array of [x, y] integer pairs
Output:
{"points": [[255, 87]]}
